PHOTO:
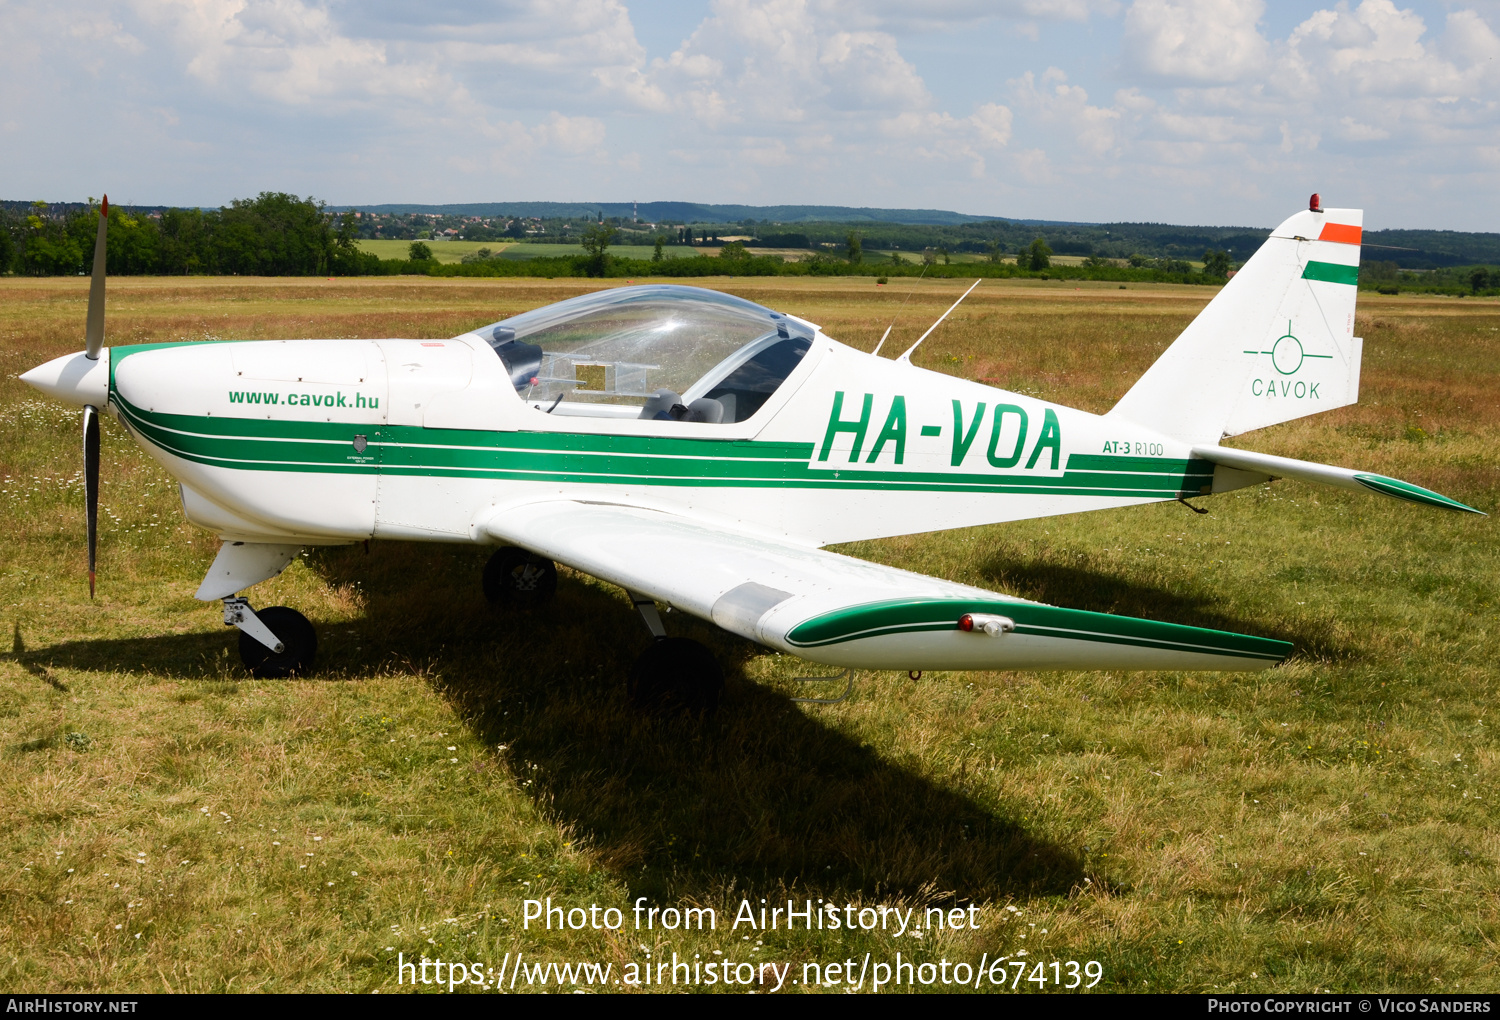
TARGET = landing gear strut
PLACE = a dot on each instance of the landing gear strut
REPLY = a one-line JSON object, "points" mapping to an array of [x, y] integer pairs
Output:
{"points": [[518, 579], [276, 642], [674, 675]]}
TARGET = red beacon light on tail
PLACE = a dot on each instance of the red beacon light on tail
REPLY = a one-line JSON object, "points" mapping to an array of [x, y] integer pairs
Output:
{"points": [[1315, 204]]}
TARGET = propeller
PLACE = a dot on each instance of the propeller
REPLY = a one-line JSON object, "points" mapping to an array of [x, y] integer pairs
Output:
{"points": [[93, 342], [91, 483], [93, 336]]}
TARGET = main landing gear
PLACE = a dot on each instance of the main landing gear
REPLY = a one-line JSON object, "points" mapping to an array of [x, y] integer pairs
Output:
{"points": [[674, 676], [276, 642]]}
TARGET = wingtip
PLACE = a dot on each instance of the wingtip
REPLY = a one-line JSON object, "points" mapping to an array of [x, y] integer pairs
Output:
{"points": [[1398, 489]]}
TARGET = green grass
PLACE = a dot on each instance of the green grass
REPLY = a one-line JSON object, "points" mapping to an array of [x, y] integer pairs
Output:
{"points": [[1326, 824]]}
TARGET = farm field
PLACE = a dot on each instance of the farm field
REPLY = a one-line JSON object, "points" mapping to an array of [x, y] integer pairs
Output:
{"points": [[442, 251], [448, 252], [453, 251], [1328, 824]]}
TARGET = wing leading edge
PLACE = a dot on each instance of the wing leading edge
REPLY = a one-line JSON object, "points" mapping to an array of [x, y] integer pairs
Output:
{"points": [[847, 612]]}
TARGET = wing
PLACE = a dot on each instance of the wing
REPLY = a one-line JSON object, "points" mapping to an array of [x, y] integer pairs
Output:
{"points": [[847, 612]]}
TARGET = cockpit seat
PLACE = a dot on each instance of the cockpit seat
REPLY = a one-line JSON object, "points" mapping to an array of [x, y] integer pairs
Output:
{"points": [[664, 405], [706, 410], [658, 406]]}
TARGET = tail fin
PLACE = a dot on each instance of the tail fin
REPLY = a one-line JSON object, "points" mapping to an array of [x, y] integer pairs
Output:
{"points": [[1277, 342]]}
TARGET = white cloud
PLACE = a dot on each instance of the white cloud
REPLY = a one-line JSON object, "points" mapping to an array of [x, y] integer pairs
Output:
{"points": [[941, 14], [1164, 107], [992, 123], [1195, 40], [1093, 129]]}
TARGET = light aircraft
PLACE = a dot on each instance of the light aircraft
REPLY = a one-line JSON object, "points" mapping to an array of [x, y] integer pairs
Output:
{"points": [[698, 450]]}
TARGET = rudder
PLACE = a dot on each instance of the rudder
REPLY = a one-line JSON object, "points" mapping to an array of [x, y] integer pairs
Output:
{"points": [[1276, 343]]}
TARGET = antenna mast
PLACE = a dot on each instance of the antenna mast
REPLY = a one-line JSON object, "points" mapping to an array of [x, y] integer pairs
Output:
{"points": [[906, 357]]}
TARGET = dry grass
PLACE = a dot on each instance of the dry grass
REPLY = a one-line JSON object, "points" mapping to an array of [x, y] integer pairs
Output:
{"points": [[1327, 824]]}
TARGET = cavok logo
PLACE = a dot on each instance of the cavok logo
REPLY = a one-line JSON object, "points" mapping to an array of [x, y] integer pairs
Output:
{"points": [[1287, 358], [1009, 428]]}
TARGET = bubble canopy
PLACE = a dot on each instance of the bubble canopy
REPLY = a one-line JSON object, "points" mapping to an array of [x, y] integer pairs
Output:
{"points": [[657, 351]]}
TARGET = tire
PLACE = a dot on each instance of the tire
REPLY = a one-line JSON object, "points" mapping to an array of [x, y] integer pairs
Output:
{"points": [[294, 631], [676, 676], [517, 579]]}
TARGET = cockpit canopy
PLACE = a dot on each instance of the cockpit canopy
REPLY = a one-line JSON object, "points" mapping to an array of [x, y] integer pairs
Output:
{"points": [[658, 351]]}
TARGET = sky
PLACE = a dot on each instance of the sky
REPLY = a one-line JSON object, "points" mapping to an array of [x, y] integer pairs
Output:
{"points": [[1227, 112]]}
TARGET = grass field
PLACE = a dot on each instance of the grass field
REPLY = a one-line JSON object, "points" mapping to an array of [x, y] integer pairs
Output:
{"points": [[1329, 824]]}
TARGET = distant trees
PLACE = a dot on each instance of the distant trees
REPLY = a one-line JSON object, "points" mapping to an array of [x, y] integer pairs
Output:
{"points": [[7, 243], [596, 240], [993, 251], [790, 240], [419, 251], [657, 254], [1038, 256], [855, 245], [273, 234], [1216, 263], [1479, 279], [734, 250]]}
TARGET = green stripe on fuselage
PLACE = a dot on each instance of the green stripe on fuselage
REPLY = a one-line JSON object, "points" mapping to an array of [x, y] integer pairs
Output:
{"points": [[907, 616], [270, 444]]}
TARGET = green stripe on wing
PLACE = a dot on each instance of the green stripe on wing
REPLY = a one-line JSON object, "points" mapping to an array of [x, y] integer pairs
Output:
{"points": [[1413, 493], [908, 616]]}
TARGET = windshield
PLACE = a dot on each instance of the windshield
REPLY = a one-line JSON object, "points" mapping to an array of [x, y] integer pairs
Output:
{"points": [[656, 351]]}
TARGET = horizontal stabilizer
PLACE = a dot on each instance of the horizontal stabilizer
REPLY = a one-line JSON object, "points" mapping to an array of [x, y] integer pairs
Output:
{"points": [[847, 612], [1327, 474]]}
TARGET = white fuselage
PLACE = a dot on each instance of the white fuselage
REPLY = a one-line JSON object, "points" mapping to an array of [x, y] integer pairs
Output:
{"points": [[328, 441]]}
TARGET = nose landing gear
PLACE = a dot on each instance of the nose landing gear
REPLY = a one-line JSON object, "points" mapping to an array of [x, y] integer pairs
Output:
{"points": [[276, 642], [518, 579]]}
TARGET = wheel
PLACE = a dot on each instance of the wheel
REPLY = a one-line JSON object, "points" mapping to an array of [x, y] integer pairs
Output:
{"points": [[514, 577], [676, 675], [293, 630]]}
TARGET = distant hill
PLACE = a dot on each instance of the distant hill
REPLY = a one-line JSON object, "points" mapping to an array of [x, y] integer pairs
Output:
{"points": [[691, 212], [916, 229]]}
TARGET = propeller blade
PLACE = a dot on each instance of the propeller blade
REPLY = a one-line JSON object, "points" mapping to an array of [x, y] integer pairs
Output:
{"points": [[93, 335], [91, 483]]}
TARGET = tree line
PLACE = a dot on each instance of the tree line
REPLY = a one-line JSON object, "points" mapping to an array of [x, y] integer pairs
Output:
{"points": [[277, 234], [273, 234]]}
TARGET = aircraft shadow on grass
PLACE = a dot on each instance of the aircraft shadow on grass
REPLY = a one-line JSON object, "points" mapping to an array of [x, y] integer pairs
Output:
{"points": [[761, 797]]}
